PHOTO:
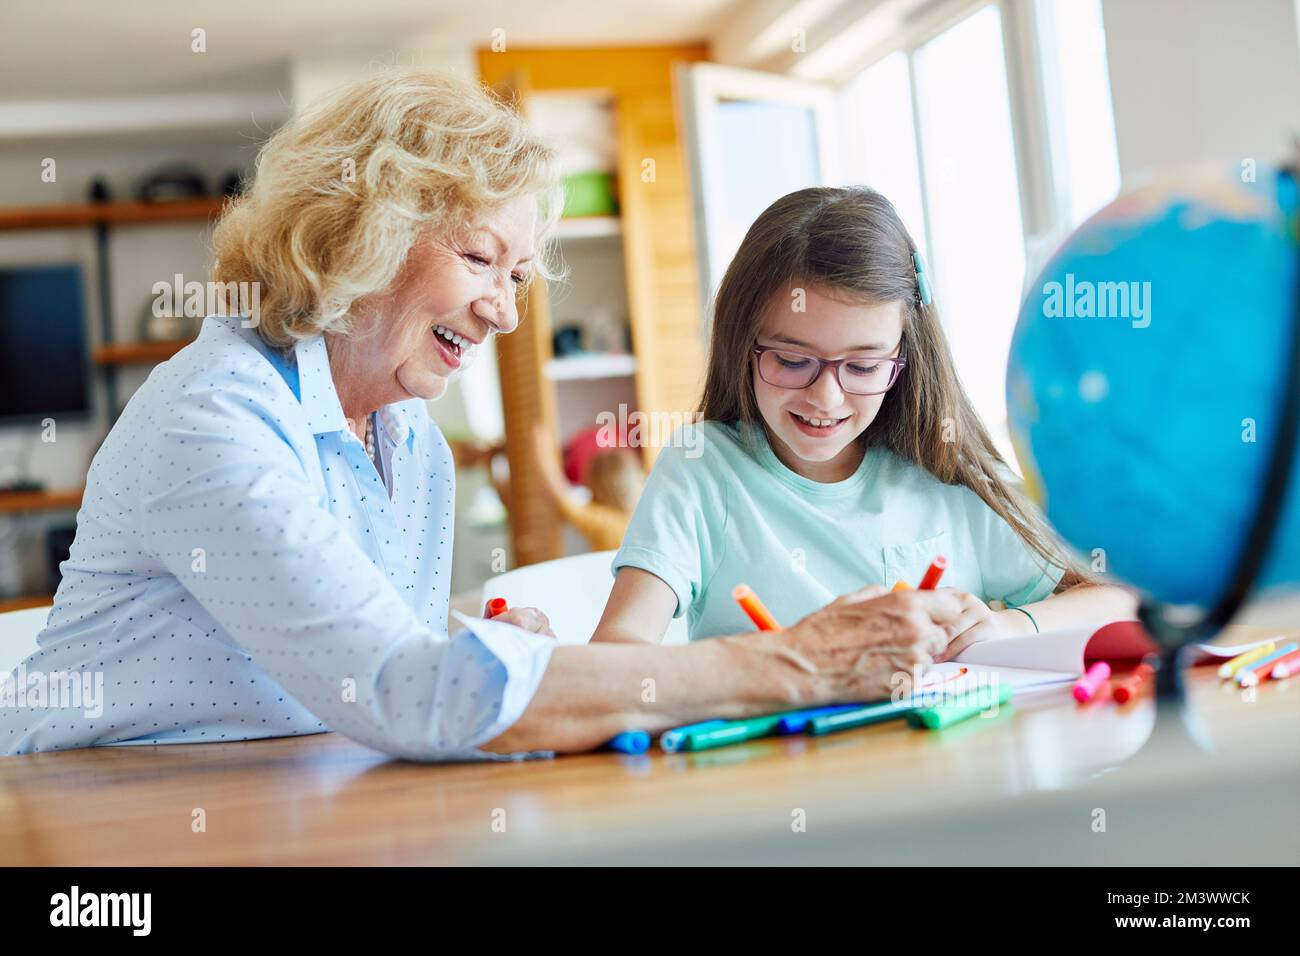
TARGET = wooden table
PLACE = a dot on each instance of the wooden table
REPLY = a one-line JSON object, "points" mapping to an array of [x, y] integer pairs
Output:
{"points": [[1023, 787]]}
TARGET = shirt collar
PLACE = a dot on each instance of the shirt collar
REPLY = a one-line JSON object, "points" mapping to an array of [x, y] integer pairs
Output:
{"points": [[320, 399], [316, 392]]}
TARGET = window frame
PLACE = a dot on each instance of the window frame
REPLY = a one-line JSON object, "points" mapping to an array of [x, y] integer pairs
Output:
{"points": [[1043, 208]]}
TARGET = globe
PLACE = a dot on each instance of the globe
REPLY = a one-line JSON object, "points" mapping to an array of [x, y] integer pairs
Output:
{"points": [[1146, 378]]}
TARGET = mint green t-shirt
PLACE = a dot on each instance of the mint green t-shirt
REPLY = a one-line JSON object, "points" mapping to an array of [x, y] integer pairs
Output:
{"points": [[713, 515]]}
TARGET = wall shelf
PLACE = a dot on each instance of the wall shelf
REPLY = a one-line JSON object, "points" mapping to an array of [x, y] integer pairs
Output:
{"points": [[137, 353], [593, 365], [589, 227], [110, 213], [23, 602], [15, 502]]}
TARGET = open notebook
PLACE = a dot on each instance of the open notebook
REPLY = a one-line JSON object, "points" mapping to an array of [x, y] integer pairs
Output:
{"points": [[1058, 657]]}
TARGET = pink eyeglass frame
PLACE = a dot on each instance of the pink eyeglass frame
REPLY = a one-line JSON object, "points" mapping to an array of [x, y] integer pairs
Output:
{"points": [[898, 361]]}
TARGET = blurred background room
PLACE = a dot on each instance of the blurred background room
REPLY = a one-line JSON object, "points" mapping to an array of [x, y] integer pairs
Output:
{"points": [[995, 126]]}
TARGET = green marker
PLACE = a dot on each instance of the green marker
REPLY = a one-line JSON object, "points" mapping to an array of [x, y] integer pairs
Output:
{"points": [[861, 716], [733, 732], [961, 708]]}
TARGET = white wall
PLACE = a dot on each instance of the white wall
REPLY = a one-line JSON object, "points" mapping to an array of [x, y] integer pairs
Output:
{"points": [[1202, 80]]}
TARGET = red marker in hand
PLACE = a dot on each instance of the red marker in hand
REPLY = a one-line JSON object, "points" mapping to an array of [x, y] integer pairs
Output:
{"points": [[933, 573], [494, 607]]}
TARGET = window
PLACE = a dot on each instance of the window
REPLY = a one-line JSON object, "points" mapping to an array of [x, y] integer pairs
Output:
{"points": [[751, 138], [969, 170], [1076, 93], [785, 135], [932, 126], [880, 138], [987, 124]]}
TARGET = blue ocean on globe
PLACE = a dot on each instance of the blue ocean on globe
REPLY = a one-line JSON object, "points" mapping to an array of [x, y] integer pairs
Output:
{"points": [[1145, 381]]}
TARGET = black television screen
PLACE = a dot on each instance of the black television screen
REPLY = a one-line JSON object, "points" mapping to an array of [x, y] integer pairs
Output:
{"points": [[43, 367]]}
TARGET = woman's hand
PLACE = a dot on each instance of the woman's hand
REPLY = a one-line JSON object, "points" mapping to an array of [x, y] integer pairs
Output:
{"points": [[852, 648], [529, 618], [978, 622]]}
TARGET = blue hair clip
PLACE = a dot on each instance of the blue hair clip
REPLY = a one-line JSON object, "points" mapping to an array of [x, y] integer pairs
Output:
{"points": [[922, 280]]}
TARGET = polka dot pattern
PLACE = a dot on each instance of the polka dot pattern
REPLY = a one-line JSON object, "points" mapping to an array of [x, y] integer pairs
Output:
{"points": [[241, 571]]}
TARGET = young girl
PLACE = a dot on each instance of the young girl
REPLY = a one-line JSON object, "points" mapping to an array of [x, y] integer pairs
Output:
{"points": [[836, 448]]}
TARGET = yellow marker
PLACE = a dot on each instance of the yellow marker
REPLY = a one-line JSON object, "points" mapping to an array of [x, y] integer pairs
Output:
{"points": [[1229, 668]]}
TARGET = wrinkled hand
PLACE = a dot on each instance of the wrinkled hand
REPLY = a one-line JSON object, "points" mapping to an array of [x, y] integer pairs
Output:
{"points": [[852, 648], [529, 618]]}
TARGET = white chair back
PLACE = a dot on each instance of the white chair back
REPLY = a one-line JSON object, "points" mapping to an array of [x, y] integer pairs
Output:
{"points": [[570, 591], [18, 630]]}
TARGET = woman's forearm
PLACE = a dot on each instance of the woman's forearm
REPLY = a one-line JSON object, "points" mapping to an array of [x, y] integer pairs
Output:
{"points": [[1084, 604], [592, 692]]}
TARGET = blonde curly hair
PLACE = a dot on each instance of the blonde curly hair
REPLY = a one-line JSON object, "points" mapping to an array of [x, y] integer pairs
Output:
{"points": [[345, 189]]}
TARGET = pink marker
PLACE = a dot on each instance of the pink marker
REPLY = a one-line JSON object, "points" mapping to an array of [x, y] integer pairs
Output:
{"points": [[1086, 687]]}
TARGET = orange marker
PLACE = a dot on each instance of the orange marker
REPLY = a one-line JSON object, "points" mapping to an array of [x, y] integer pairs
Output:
{"points": [[751, 605], [902, 586], [494, 607], [1127, 687], [1256, 671], [1285, 667], [933, 573]]}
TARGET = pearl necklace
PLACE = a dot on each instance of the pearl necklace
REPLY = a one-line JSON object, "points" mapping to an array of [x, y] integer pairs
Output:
{"points": [[370, 436]]}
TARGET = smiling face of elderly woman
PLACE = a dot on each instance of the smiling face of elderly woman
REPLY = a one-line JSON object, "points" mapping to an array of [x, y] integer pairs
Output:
{"points": [[451, 296], [394, 218]]}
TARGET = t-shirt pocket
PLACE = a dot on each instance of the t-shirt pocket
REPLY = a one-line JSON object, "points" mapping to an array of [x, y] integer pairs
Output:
{"points": [[908, 562]]}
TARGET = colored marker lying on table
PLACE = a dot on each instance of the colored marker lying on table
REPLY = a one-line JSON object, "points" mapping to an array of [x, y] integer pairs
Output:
{"points": [[1126, 688], [671, 741], [961, 708], [751, 605], [494, 607], [861, 716], [930, 579], [1256, 671], [1086, 687], [1230, 668], [732, 732], [630, 742], [1288, 666], [800, 720]]}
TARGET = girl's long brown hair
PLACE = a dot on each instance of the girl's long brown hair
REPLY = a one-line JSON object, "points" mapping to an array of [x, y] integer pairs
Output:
{"points": [[849, 243]]}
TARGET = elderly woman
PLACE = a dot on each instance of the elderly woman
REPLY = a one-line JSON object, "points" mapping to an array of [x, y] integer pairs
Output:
{"points": [[265, 540]]}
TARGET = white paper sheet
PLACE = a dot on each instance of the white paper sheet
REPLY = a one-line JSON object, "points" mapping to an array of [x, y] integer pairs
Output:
{"points": [[1063, 652]]}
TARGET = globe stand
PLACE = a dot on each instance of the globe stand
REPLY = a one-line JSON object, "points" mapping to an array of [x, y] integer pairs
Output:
{"points": [[1177, 726]]}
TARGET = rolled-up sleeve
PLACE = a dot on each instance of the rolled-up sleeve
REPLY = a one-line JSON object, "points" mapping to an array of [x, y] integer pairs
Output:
{"points": [[232, 512]]}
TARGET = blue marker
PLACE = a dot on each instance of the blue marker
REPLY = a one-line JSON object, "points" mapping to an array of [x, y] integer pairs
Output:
{"points": [[671, 741], [630, 742], [1252, 672], [798, 722]]}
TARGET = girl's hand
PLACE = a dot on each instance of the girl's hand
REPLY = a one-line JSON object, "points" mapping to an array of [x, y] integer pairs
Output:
{"points": [[977, 622], [529, 618], [852, 648]]}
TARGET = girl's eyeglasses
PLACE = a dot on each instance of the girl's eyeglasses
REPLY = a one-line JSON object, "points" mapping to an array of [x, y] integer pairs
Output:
{"points": [[857, 375]]}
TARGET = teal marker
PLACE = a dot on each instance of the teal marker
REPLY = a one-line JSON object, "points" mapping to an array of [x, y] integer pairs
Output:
{"points": [[960, 708], [671, 741], [733, 732], [861, 716]]}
